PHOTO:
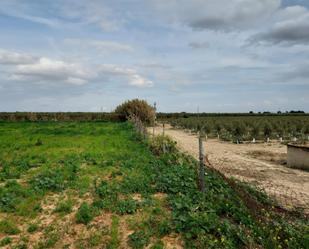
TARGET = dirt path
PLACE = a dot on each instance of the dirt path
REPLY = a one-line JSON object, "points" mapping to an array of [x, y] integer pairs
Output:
{"points": [[261, 164]]}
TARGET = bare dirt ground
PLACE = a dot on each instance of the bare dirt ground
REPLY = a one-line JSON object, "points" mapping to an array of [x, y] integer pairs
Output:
{"points": [[262, 164]]}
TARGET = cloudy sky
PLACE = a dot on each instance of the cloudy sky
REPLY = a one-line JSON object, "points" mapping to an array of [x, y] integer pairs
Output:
{"points": [[90, 55]]}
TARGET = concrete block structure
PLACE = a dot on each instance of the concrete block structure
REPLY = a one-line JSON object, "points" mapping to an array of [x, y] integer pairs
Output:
{"points": [[298, 156]]}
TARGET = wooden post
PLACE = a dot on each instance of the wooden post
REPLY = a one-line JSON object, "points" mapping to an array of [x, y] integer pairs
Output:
{"points": [[201, 173], [164, 147], [163, 131], [155, 118]]}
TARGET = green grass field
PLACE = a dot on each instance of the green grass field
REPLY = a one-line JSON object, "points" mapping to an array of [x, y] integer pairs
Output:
{"points": [[99, 185]]}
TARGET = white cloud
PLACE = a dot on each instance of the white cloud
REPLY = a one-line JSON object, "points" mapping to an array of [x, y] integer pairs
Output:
{"points": [[131, 75], [28, 68], [10, 57], [46, 69]]}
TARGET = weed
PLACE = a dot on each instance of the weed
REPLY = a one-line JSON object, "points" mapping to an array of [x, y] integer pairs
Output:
{"points": [[138, 240], [94, 239], [38, 142], [114, 233], [64, 207], [8, 227], [52, 180], [162, 144], [5, 241], [32, 228], [11, 195], [51, 237], [126, 207], [84, 214], [157, 245]]}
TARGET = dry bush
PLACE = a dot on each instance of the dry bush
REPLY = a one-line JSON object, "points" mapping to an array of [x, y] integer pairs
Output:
{"points": [[137, 108]]}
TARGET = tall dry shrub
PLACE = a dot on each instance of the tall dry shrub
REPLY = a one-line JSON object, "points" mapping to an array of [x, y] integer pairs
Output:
{"points": [[137, 108]]}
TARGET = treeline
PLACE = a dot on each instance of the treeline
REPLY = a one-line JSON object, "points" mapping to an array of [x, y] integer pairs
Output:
{"points": [[61, 116], [164, 116]]}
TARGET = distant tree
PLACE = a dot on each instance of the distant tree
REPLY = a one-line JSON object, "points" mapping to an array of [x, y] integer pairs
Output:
{"points": [[280, 131], [137, 108], [255, 132], [306, 130], [218, 128], [238, 130], [267, 130], [206, 129]]}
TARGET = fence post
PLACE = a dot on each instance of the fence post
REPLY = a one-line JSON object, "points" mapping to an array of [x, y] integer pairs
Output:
{"points": [[201, 173], [163, 130]]}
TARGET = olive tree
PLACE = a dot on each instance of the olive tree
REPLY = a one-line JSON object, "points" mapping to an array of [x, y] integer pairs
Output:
{"points": [[238, 131], [255, 132], [267, 130]]}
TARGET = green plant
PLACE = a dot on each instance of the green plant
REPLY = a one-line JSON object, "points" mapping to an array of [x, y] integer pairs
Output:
{"points": [[162, 144], [8, 227], [11, 195], [157, 245], [126, 207], [138, 240], [5, 241], [32, 228], [52, 180], [64, 207], [267, 129], [114, 233], [84, 214], [255, 131], [38, 142]]}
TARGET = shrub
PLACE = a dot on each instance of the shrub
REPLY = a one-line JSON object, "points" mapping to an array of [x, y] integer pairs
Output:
{"points": [[11, 195], [161, 144], [84, 214], [137, 108], [126, 207], [52, 180]]}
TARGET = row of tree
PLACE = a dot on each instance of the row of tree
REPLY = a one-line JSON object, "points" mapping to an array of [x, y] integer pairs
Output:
{"points": [[60, 116], [248, 128]]}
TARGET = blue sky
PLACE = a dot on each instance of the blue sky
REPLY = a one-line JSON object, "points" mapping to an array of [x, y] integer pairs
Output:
{"points": [[220, 56]]}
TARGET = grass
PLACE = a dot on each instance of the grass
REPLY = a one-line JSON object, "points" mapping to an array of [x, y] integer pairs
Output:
{"points": [[98, 185]]}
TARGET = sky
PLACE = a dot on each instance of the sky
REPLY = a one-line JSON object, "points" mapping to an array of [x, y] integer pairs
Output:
{"points": [[211, 55]]}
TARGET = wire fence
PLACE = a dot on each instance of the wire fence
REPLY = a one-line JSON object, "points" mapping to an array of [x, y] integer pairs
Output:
{"points": [[280, 195]]}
